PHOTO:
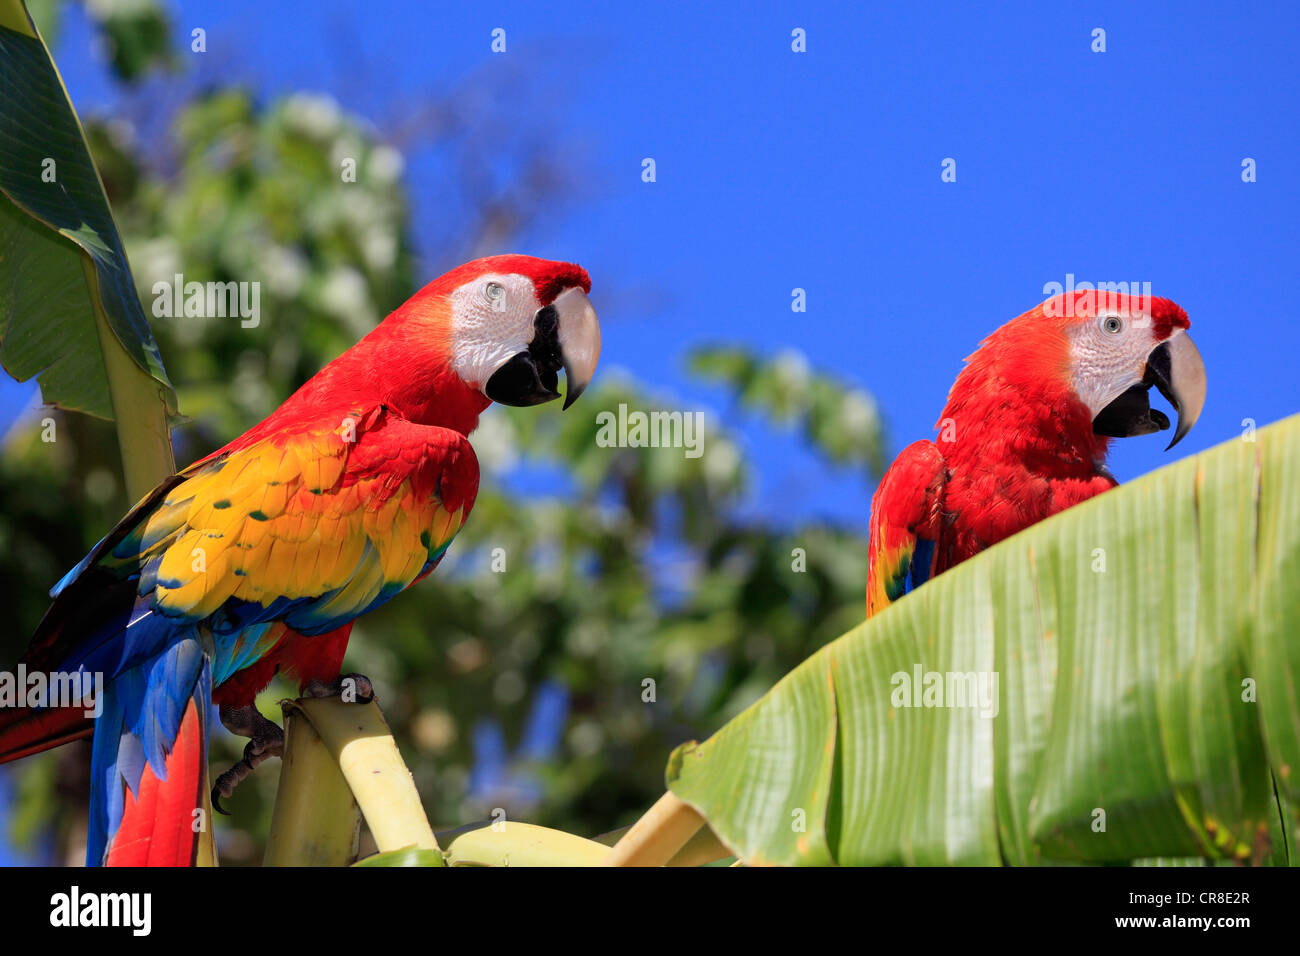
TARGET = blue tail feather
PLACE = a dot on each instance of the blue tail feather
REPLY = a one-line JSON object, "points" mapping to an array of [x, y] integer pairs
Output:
{"points": [[142, 712]]}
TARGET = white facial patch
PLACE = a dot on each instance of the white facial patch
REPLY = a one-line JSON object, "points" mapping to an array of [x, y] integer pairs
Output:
{"points": [[492, 322], [1109, 353]]}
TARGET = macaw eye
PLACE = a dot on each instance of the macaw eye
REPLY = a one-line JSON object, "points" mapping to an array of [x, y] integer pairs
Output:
{"points": [[1112, 324], [494, 291]]}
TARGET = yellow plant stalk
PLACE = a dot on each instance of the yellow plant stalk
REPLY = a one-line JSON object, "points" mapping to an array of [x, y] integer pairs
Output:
{"points": [[658, 836], [139, 410], [521, 844], [704, 847], [362, 745], [207, 850], [316, 820]]}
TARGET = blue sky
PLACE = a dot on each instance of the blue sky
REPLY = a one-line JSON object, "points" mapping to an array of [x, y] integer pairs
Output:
{"points": [[822, 170]]}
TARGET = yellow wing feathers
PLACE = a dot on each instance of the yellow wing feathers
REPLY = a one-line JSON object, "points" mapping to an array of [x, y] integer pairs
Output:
{"points": [[287, 519]]}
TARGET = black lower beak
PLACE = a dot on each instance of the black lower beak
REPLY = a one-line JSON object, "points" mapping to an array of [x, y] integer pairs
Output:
{"points": [[1130, 414], [521, 382]]}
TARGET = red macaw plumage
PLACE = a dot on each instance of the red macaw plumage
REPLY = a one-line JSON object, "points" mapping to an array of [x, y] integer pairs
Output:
{"points": [[1026, 430], [258, 558]]}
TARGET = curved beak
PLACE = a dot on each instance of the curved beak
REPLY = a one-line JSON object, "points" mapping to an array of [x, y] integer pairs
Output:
{"points": [[1175, 367], [566, 335], [579, 336]]}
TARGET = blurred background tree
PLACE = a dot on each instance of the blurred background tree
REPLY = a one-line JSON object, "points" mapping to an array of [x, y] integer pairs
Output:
{"points": [[602, 605]]}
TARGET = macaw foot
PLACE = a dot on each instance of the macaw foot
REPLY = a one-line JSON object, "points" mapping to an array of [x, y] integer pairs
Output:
{"points": [[266, 739], [351, 688]]}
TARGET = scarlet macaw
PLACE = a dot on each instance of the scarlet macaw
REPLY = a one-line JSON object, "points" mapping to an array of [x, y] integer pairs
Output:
{"points": [[1026, 430], [258, 558]]}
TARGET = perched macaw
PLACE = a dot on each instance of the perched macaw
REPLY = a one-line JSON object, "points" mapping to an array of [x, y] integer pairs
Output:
{"points": [[258, 558], [1026, 430]]}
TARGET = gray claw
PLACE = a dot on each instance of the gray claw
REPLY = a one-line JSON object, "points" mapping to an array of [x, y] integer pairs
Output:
{"points": [[266, 739]]}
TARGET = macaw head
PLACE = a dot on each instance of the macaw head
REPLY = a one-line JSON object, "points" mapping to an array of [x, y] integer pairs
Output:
{"points": [[496, 329], [514, 322], [1081, 365], [1122, 348]]}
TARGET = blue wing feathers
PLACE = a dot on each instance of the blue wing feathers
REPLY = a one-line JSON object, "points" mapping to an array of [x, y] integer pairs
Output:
{"points": [[922, 559]]}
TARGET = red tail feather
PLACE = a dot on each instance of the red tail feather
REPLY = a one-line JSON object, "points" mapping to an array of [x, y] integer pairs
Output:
{"points": [[24, 732], [158, 825]]}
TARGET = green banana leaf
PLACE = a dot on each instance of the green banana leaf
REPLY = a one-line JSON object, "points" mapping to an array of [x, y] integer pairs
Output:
{"points": [[407, 856], [1146, 648], [69, 313]]}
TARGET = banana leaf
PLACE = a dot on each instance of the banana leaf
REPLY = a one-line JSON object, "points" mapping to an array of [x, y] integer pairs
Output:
{"points": [[1114, 684], [69, 313]]}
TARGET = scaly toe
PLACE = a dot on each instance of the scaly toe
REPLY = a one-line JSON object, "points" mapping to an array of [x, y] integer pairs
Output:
{"points": [[351, 688]]}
